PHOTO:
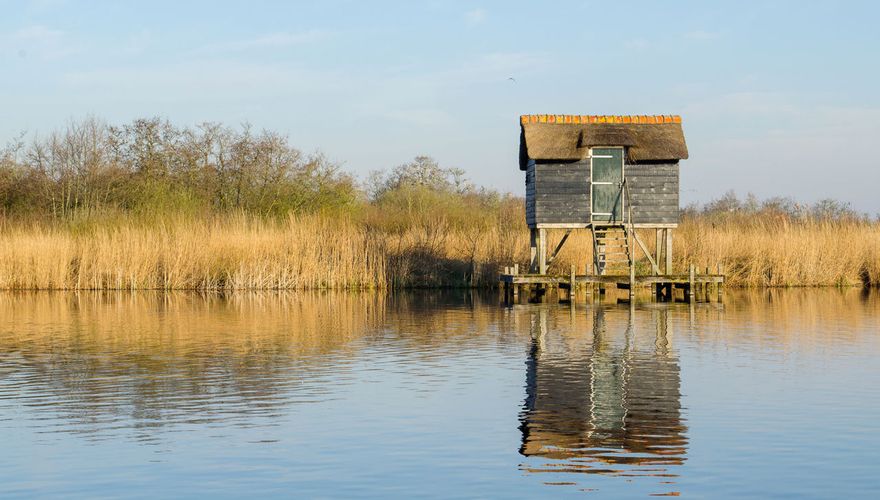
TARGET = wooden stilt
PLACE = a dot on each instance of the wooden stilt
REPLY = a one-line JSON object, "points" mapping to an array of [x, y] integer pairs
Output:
{"points": [[588, 270], [707, 288], [632, 280], [542, 251], [533, 250], [668, 236], [690, 290], [658, 245]]}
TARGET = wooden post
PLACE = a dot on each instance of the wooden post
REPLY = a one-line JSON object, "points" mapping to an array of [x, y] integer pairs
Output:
{"points": [[533, 250], [572, 285], [707, 287], [588, 271], [542, 251], [721, 283], [632, 279], [668, 233], [508, 288], [658, 245], [516, 269], [691, 283]]}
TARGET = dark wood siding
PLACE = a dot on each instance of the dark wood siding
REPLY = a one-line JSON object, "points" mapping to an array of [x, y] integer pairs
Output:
{"points": [[653, 192], [561, 193], [530, 195]]}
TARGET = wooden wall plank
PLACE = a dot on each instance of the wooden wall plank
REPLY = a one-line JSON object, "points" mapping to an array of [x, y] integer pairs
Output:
{"points": [[654, 192], [562, 193]]}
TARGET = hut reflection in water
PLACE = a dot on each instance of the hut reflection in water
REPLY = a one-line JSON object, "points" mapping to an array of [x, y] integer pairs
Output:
{"points": [[609, 403]]}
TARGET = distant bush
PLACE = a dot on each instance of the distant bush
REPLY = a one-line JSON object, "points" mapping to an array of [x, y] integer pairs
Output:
{"points": [[151, 166], [730, 208], [422, 193]]}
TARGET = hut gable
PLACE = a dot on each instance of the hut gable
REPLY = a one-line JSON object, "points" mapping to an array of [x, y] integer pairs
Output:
{"points": [[570, 137]]}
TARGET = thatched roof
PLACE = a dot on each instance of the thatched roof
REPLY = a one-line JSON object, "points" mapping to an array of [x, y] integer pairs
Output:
{"points": [[569, 137]]}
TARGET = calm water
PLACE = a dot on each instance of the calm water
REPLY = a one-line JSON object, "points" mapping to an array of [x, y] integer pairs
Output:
{"points": [[438, 395]]}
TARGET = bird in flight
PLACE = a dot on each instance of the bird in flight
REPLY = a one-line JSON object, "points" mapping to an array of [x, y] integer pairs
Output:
{"points": [[512, 79]]}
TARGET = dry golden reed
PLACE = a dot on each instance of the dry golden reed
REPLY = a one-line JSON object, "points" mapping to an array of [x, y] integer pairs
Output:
{"points": [[237, 253], [315, 252]]}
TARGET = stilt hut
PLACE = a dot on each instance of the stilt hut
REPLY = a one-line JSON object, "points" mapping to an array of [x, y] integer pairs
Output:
{"points": [[611, 175]]}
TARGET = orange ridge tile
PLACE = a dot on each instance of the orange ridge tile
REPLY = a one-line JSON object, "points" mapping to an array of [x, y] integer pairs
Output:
{"points": [[581, 119]]}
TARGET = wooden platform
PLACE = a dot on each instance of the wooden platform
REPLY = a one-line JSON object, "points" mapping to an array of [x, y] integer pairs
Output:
{"points": [[535, 286], [608, 279]]}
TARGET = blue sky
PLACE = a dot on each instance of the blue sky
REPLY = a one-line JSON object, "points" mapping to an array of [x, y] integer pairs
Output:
{"points": [[777, 98]]}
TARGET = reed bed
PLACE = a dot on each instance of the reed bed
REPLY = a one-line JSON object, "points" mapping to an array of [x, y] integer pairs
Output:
{"points": [[319, 252], [783, 253], [237, 253]]}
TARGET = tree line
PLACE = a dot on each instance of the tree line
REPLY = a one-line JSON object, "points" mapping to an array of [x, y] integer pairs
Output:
{"points": [[151, 167]]}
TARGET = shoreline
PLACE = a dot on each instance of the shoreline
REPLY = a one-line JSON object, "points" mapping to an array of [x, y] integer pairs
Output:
{"points": [[389, 291]]}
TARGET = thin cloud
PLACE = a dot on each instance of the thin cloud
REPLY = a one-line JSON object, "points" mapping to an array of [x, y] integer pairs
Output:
{"points": [[134, 44], [37, 33], [38, 40], [637, 44], [206, 81], [701, 35], [45, 5], [269, 41], [476, 16]]}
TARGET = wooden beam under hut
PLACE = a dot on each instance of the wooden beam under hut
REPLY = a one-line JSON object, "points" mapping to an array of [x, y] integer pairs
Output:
{"points": [[694, 286]]}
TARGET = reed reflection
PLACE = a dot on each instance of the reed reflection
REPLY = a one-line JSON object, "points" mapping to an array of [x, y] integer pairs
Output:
{"points": [[607, 404], [91, 363]]}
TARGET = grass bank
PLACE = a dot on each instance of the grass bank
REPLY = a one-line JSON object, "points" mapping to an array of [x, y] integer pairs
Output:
{"points": [[243, 251]]}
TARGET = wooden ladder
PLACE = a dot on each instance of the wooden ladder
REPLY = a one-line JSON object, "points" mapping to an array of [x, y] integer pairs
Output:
{"points": [[611, 249]]}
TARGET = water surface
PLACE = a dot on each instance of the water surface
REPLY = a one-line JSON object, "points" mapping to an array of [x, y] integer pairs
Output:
{"points": [[438, 395]]}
